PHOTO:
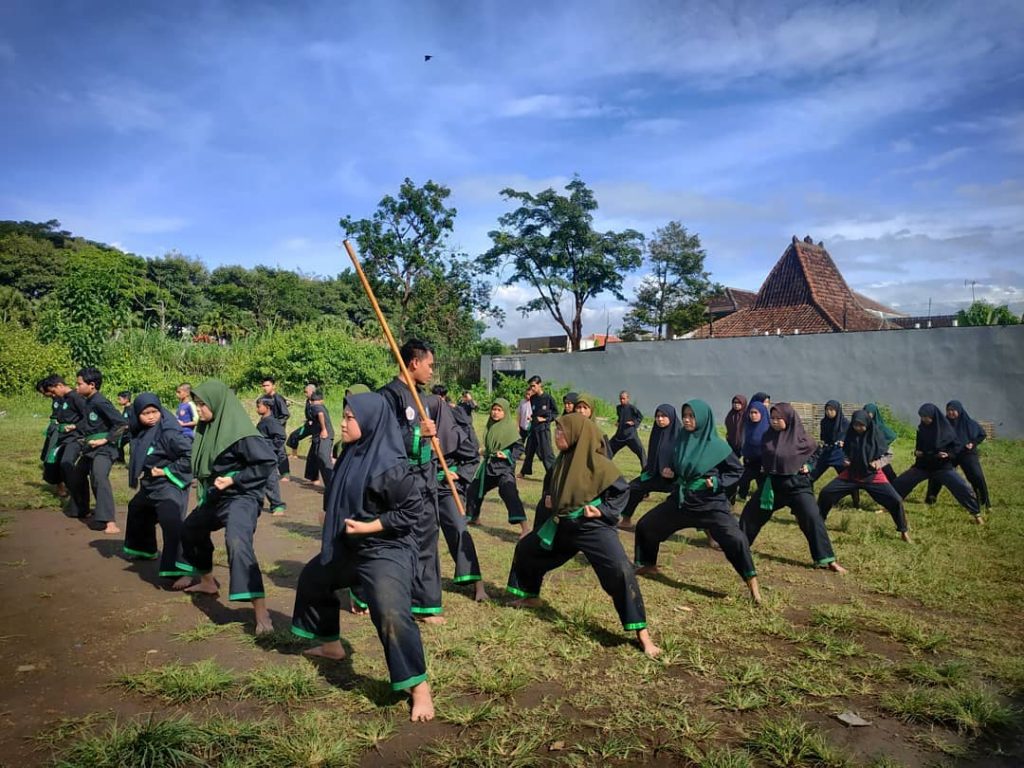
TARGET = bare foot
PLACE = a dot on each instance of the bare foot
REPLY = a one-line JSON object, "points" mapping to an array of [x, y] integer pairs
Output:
{"points": [[264, 624], [277, 513], [286, 479], [181, 583], [206, 585], [473, 521], [432, 619], [355, 610], [712, 543], [527, 602], [644, 638], [755, 590], [61, 491], [422, 703], [626, 525], [317, 483], [905, 536], [332, 650], [645, 570], [836, 568], [481, 593], [111, 528], [978, 520]]}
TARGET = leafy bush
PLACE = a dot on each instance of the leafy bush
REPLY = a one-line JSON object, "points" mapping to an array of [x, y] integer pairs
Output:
{"points": [[512, 389], [24, 359]]}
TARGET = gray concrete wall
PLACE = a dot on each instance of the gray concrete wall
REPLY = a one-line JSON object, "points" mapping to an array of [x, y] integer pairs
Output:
{"points": [[982, 367]]}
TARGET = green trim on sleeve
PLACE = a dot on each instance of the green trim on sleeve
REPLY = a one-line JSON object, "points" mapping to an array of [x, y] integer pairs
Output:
{"points": [[172, 574], [140, 553], [412, 682], [307, 635], [750, 575], [432, 611], [357, 602], [825, 561], [519, 593], [174, 478], [189, 569], [635, 627], [467, 578]]}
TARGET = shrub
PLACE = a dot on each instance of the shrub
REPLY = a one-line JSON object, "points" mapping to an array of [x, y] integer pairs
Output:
{"points": [[24, 359]]}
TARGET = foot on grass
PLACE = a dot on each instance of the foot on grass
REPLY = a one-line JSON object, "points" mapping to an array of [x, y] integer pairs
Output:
{"points": [[647, 570], [480, 593], [644, 638], [905, 536], [332, 650], [207, 585], [755, 590], [836, 568], [432, 619], [625, 524], [422, 703], [527, 602], [978, 520], [182, 582], [111, 528]]}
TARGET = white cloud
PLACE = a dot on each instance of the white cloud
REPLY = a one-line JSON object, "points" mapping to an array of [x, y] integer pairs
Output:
{"points": [[557, 107]]}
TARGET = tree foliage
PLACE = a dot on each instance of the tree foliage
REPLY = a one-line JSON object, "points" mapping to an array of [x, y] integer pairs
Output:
{"points": [[984, 313], [550, 243], [673, 295]]}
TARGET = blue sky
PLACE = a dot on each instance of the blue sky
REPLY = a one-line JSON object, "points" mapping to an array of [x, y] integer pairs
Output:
{"points": [[240, 132]]}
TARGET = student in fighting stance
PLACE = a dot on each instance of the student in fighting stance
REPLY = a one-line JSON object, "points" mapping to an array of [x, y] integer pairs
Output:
{"points": [[629, 418], [785, 455], [231, 462], [703, 467], [371, 512], [273, 431], [657, 474], [583, 495], [970, 435], [501, 450], [160, 467], [321, 449], [864, 446]]}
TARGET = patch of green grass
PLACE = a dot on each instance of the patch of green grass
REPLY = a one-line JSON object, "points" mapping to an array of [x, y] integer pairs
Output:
{"points": [[172, 743], [970, 710], [835, 618], [179, 683], [204, 630], [725, 758], [790, 743], [467, 715], [278, 684], [737, 699], [947, 673]]}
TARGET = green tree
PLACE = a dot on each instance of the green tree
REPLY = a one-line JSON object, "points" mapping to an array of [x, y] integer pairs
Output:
{"points": [[31, 265], [549, 242], [984, 313], [15, 308], [179, 297], [673, 295], [423, 285]]}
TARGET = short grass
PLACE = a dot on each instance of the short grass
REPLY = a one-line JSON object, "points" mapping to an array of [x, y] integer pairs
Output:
{"points": [[925, 636]]}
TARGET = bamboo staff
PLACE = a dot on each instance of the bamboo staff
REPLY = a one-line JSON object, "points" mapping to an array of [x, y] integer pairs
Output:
{"points": [[406, 376]]}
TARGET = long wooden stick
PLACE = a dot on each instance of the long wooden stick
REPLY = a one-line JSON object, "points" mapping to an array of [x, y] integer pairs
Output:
{"points": [[406, 376]]}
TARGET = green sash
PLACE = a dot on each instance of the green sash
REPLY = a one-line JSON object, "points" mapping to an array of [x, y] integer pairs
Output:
{"points": [[767, 494], [547, 532]]}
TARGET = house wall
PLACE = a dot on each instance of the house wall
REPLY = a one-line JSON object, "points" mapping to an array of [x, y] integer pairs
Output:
{"points": [[982, 367]]}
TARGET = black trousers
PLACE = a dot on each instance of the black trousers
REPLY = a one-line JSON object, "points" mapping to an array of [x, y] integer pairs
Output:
{"points": [[639, 490], [538, 443], [320, 461], [807, 516], [457, 537], [599, 543], [961, 491], [507, 490], [383, 575], [667, 518], [426, 580], [751, 473], [165, 507], [969, 462], [821, 468], [632, 442], [273, 491], [237, 516], [883, 493], [90, 470]]}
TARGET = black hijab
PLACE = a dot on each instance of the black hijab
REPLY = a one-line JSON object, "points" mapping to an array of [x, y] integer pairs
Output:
{"points": [[379, 448], [967, 429], [861, 448], [937, 436], [143, 438], [785, 452], [734, 423], [661, 448], [834, 430], [570, 397], [758, 397]]}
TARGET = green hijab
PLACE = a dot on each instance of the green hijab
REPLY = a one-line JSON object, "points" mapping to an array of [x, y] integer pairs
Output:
{"points": [[229, 425], [586, 397], [702, 450], [357, 389], [876, 414], [500, 434], [582, 471]]}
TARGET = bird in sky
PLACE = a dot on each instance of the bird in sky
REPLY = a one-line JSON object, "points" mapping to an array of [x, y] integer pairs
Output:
{"points": [[427, 56]]}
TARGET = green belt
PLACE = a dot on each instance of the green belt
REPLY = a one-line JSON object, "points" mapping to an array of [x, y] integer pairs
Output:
{"points": [[697, 484], [203, 490], [645, 476], [420, 453], [440, 475], [547, 532], [479, 474], [52, 447], [767, 494]]}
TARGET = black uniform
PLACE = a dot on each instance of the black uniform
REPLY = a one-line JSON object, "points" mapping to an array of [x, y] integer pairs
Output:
{"points": [[538, 441], [703, 508], [85, 465], [236, 509], [625, 433], [273, 431], [599, 542], [321, 450], [462, 454], [161, 500], [279, 410], [312, 471], [500, 473], [426, 584], [67, 411], [797, 493]]}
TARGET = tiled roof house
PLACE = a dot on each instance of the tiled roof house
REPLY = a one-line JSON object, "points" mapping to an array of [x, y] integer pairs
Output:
{"points": [[804, 293]]}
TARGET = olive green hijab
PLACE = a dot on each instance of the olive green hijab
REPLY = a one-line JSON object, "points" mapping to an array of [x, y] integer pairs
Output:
{"points": [[357, 389], [586, 397], [229, 425], [582, 471], [500, 434], [700, 451]]}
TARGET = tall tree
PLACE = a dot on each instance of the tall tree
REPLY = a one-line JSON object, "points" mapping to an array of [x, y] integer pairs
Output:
{"points": [[407, 257], [673, 295], [549, 241]]}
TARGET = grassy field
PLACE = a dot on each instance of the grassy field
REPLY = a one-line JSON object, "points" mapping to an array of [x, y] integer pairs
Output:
{"points": [[923, 640]]}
